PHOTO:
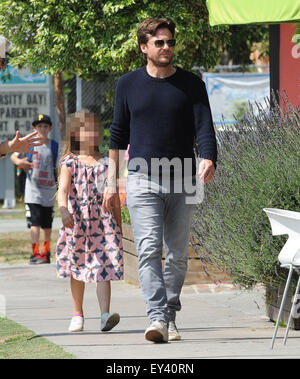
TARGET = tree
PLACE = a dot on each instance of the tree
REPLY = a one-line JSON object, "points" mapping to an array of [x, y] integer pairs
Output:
{"points": [[87, 37], [242, 39]]}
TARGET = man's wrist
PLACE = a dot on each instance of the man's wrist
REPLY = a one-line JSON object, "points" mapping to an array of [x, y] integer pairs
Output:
{"points": [[213, 162]]}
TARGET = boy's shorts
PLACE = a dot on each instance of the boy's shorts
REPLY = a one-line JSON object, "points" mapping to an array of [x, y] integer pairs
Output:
{"points": [[37, 215]]}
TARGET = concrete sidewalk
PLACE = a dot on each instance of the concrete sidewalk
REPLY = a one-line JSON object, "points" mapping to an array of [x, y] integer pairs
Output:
{"points": [[225, 323], [19, 225]]}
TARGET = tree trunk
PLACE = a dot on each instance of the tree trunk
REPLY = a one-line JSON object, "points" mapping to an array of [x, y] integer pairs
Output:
{"points": [[60, 104]]}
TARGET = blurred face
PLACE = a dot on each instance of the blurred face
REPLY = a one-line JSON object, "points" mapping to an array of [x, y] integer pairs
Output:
{"points": [[43, 129], [85, 135], [157, 49]]}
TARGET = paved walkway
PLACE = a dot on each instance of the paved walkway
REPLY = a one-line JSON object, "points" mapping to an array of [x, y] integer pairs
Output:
{"points": [[215, 322], [19, 225]]}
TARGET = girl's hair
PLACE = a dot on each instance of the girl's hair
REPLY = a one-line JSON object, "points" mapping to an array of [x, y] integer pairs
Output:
{"points": [[71, 145], [73, 124]]}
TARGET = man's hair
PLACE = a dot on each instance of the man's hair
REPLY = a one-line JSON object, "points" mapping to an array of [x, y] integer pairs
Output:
{"points": [[150, 26]]}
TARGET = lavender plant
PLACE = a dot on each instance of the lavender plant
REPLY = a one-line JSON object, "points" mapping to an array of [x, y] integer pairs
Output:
{"points": [[258, 167]]}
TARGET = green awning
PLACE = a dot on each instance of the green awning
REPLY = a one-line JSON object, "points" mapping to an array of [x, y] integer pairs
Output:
{"points": [[232, 12]]}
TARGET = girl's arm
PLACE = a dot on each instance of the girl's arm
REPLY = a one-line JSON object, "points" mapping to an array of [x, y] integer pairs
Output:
{"points": [[62, 197]]}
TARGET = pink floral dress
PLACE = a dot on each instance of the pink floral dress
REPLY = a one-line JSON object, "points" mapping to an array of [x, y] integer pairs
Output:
{"points": [[92, 250]]}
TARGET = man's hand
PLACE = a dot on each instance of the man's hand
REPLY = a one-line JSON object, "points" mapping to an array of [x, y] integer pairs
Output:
{"points": [[206, 170], [111, 203], [23, 145]]}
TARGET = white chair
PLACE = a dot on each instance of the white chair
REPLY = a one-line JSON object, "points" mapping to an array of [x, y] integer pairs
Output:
{"points": [[286, 222]]}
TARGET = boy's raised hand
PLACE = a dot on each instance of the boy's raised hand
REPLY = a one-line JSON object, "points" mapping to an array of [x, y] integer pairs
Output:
{"points": [[23, 145]]}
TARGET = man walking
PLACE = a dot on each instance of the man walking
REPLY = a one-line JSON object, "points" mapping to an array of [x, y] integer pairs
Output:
{"points": [[160, 110]]}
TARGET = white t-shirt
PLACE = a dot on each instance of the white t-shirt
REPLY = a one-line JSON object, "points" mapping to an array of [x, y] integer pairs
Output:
{"points": [[40, 187]]}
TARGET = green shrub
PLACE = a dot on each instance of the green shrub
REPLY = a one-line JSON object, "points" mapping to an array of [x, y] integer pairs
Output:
{"points": [[258, 167], [125, 215]]}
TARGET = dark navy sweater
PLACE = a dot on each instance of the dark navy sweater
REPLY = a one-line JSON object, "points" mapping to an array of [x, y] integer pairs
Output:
{"points": [[162, 117]]}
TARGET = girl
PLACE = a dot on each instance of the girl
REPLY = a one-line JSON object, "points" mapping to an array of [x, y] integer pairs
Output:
{"points": [[89, 247]]}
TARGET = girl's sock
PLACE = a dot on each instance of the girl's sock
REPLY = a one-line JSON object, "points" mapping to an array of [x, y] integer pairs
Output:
{"points": [[78, 314], [104, 313]]}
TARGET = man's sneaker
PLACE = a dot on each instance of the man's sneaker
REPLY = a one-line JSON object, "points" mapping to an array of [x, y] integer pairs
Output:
{"points": [[173, 332], [109, 321], [76, 324], [157, 332]]}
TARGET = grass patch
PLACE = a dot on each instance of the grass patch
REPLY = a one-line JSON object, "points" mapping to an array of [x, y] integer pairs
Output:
{"points": [[280, 324], [16, 247], [17, 342]]}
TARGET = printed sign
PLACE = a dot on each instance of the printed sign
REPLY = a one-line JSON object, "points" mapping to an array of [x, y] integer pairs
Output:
{"points": [[229, 93], [22, 76], [22, 99], [290, 64]]}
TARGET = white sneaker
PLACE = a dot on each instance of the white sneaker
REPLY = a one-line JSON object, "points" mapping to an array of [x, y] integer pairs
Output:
{"points": [[157, 332], [109, 321], [76, 324], [173, 332]]}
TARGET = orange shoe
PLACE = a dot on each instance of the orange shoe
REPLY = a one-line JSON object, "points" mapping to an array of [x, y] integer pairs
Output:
{"points": [[35, 254]]}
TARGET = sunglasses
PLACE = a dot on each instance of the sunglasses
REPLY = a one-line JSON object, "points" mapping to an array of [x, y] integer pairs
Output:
{"points": [[161, 42]]}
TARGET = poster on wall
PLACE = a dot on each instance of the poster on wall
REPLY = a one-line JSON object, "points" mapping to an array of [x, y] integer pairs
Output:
{"points": [[229, 94], [23, 96], [289, 60]]}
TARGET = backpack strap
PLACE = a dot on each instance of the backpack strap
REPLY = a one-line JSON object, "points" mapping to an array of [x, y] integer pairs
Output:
{"points": [[29, 155], [54, 152]]}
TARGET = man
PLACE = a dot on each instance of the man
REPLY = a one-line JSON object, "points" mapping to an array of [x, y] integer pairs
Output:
{"points": [[160, 110]]}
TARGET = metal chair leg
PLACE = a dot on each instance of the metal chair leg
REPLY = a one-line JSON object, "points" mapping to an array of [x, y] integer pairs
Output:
{"points": [[282, 304], [292, 311]]}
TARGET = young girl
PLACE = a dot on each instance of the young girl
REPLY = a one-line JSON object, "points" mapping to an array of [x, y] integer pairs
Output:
{"points": [[89, 247]]}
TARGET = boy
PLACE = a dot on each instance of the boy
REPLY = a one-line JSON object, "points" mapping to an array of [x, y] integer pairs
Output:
{"points": [[40, 188]]}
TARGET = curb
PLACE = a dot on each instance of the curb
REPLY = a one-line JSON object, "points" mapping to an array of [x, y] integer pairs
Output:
{"points": [[208, 288]]}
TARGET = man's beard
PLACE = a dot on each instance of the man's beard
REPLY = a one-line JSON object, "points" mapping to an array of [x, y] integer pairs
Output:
{"points": [[158, 63]]}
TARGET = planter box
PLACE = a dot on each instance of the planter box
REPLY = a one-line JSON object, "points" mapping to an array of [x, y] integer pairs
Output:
{"points": [[274, 297], [196, 274]]}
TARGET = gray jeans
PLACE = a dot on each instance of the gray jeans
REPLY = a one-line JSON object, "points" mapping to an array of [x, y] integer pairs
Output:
{"points": [[158, 220]]}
